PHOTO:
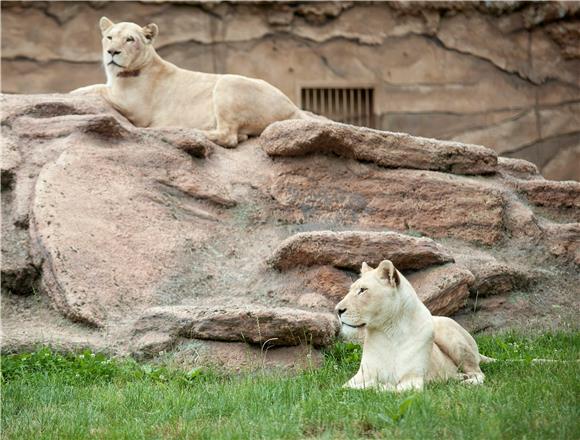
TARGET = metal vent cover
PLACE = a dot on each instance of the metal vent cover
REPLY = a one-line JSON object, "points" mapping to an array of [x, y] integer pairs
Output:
{"points": [[346, 104]]}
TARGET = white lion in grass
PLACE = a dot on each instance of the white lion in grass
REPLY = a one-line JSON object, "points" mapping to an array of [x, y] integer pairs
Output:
{"points": [[404, 345], [152, 92]]}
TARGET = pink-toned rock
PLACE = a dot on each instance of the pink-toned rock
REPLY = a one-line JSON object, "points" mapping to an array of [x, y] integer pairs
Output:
{"points": [[387, 149], [552, 194], [107, 230], [495, 278], [348, 250], [520, 221], [334, 191], [444, 290], [563, 240], [315, 301], [19, 275], [332, 283], [142, 233], [254, 324], [90, 193], [519, 168]]}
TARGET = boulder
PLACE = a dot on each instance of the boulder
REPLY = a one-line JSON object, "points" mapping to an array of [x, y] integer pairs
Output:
{"points": [[444, 289], [160, 327], [552, 194], [493, 277], [348, 250], [387, 149], [337, 193], [328, 281], [102, 188], [518, 168], [563, 240]]}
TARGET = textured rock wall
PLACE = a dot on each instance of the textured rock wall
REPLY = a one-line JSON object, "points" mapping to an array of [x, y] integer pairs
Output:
{"points": [[501, 74], [140, 240]]}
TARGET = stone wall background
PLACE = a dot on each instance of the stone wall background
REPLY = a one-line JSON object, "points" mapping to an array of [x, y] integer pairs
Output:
{"points": [[505, 75]]}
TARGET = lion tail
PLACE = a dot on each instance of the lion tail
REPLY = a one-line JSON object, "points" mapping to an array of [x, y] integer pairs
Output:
{"points": [[486, 360]]}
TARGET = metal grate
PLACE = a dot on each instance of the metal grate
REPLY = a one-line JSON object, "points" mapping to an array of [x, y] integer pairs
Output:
{"points": [[349, 105]]}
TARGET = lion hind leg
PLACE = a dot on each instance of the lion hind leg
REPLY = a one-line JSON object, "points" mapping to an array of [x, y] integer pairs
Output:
{"points": [[457, 344], [411, 383]]}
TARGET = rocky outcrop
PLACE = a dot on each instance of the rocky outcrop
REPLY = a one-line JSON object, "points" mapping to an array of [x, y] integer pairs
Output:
{"points": [[93, 188], [518, 168], [559, 195], [444, 290], [329, 282], [158, 328], [390, 150], [137, 241], [400, 200], [348, 250], [563, 240], [492, 277]]}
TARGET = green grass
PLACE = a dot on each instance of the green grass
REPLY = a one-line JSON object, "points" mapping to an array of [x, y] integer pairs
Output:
{"points": [[49, 395]]}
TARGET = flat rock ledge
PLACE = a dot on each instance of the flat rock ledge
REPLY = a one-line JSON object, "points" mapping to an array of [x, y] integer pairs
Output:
{"points": [[495, 278], [552, 194], [348, 250], [387, 149], [159, 327], [518, 168], [444, 290]]}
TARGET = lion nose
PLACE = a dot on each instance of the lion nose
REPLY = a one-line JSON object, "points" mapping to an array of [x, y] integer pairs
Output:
{"points": [[113, 52], [340, 311]]}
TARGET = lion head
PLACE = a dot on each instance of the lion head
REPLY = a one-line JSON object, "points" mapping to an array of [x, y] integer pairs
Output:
{"points": [[127, 47], [371, 300]]}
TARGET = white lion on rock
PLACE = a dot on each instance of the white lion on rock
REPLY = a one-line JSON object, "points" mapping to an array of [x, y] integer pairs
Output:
{"points": [[152, 92], [404, 346]]}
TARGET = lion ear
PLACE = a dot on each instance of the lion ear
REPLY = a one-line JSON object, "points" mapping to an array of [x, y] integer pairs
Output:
{"points": [[388, 273], [365, 268], [150, 31], [105, 24]]}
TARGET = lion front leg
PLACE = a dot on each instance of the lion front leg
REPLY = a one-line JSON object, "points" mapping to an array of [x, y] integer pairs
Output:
{"points": [[94, 89], [361, 381], [411, 383], [370, 384]]}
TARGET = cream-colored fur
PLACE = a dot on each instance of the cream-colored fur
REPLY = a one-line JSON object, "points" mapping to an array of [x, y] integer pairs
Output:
{"points": [[152, 92], [404, 345]]}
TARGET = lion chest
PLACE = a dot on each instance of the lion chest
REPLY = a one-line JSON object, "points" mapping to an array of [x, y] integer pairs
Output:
{"points": [[391, 358], [175, 101]]}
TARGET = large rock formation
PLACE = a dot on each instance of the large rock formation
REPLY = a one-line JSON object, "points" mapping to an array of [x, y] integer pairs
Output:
{"points": [[142, 241]]}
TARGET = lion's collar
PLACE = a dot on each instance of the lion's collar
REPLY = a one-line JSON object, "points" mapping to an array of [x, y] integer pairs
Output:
{"points": [[128, 73]]}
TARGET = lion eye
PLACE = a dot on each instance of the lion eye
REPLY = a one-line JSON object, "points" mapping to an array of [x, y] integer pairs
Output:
{"points": [[129, 39], [109, 37], [362, 290]]}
